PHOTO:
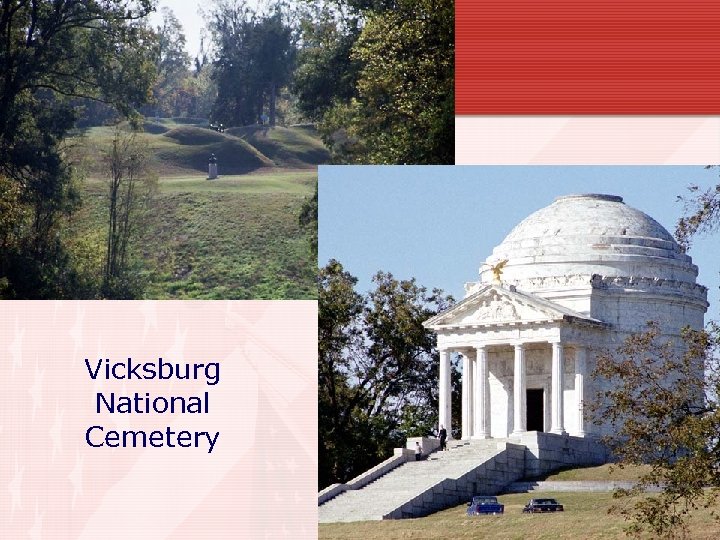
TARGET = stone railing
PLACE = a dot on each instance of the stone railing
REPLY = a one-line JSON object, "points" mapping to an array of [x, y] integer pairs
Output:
{"points": [[428, 445], [400, 456]]}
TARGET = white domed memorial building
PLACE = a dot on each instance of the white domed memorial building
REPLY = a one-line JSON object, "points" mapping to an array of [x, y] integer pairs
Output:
{"points": [[571, 279]]}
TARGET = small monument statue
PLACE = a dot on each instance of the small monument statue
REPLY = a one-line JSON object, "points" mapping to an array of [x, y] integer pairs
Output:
{"points": [[212, 167]]}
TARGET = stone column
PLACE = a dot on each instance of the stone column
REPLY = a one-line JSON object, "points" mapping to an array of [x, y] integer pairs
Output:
{"points": [[520, 409], [482, 391], [445, 412], [466, 396], [557, 389], [580, 366], [471, 392]]}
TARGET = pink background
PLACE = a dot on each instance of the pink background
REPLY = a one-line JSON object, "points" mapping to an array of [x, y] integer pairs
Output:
{"points": [[587, 140], [260, 480]]}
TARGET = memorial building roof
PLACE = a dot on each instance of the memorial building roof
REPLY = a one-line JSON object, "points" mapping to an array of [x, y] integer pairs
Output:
{"points": [[589, 234]]}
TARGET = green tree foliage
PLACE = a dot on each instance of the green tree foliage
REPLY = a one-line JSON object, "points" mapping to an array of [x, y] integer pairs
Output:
{"points": [[377, 369], [308, 220], [51, 53], [381, 83], [172, 64], [662, 401], [702, 214], [326, 73], [130, 192], [255, 58]]}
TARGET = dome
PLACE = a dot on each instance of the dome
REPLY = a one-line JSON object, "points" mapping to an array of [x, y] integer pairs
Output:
{"points": [[589, 234]]}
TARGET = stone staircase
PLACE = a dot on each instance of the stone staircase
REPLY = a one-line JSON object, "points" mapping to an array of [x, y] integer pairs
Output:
{"points": [[418, 488]]}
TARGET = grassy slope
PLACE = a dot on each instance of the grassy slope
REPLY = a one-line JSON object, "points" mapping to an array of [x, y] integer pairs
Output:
{"points": [[298, 146], [235, 237], [586, 516]]}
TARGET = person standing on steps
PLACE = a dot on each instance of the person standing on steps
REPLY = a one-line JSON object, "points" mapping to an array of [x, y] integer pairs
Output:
{"points": [[418, 451], [443, 437]]}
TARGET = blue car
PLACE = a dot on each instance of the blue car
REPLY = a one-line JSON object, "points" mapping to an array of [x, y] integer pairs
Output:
{"points": [[483, 504]]}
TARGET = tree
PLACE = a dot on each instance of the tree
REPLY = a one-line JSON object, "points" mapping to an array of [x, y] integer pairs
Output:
{"points": [[172, 64], [308, 220], [326, 73], [130, 192], [255, 57], [404, 112], [377, 369], [663, 408], [702, 214], [382, 83], [663, 399], [53, 52]]}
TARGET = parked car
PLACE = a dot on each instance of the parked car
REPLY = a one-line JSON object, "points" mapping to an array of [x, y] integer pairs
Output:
{"points": [[483, 504], [543, 505]]}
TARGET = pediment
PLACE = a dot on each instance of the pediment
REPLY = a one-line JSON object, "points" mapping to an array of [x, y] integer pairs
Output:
{"points": [[494, 305]]}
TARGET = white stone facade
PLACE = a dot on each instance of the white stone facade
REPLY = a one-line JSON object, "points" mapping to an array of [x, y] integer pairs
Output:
{"points": [[574, 278]]}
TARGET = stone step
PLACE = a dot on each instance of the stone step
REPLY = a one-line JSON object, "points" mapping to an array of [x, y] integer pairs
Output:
{"points": [[403, 487]]}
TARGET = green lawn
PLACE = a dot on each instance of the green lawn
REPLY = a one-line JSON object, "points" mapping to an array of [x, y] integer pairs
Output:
{"points": [[606, 472], [236, 237], [586, 516], [277, 181]]}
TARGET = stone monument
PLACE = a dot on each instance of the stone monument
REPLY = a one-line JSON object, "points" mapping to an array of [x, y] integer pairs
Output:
{"points": [[573, 278], [212, 167]]}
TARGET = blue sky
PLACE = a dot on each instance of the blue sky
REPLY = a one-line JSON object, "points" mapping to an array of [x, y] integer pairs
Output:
{"points": [[438, 224]]}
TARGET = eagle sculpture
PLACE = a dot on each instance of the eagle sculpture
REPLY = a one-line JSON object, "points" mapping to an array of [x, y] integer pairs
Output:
{"points": [[497, 269]]}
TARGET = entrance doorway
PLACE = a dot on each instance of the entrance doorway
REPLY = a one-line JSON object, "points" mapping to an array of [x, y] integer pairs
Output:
{"points": [[535, 400]]}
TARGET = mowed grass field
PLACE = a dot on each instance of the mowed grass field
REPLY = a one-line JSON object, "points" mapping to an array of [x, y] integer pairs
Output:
{"points": [[236, 237], [586, 516]]}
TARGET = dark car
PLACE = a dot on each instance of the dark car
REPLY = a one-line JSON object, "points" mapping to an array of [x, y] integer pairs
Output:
{"points": [[543, 505], [483, 504]]}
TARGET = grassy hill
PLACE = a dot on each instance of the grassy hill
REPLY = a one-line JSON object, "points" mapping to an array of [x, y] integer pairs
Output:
{"points": [[179, 146], [297, 146], [236, 237]]}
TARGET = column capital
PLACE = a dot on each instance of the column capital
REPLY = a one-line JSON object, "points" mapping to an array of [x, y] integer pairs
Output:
{"points": [[520, 344]]}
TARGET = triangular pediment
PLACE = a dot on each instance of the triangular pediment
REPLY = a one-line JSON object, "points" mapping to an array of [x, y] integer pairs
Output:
{"points": [[494, 305]]}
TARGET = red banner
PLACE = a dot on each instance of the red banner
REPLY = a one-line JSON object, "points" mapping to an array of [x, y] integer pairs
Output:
{"points": [[582, 57]]}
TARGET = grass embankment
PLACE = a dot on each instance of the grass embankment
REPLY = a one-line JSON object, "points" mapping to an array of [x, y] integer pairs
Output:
{"points": [[607, 472], [298, 146], [586, 516], [236, 237], [181, 148]]}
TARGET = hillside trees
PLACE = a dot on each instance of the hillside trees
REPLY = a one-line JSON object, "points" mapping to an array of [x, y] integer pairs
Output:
{"points": [[664, 404], [664, 411], [377, 369], [379, 77], [52, 52], [131, 188], [255, 56], [172, 64]]}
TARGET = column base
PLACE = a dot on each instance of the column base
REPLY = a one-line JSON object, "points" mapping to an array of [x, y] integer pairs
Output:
{"points": [[558, 431], [518, 433], [481, 436]]}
